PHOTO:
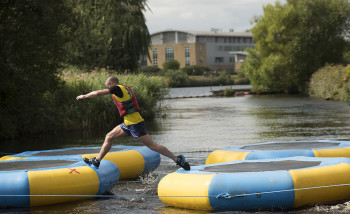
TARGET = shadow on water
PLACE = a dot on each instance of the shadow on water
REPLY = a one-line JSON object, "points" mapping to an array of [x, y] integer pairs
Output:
{"points": [[195, 127], [58, 141]]}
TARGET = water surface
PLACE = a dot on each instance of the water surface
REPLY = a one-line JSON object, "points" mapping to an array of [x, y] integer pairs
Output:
{"points": [[197, 126]]}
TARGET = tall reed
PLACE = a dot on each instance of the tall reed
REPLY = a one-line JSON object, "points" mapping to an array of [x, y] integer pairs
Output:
{"points": [[63, 111]]}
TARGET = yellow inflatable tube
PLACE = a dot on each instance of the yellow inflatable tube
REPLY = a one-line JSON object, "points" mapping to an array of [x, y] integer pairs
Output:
{"points": [[316, 148]]}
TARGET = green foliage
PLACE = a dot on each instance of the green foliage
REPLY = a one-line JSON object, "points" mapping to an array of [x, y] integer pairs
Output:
{"points": [[241, 74], [32, 34], [229, 92], [171, 65], [242, 81], [59, 110], [331, 82], [180, 79], [37, 37], [101, 112], [108, 33], [152, 69], [225, 78], [176, 78], [294, 40], [346, 57], [196, 69]]}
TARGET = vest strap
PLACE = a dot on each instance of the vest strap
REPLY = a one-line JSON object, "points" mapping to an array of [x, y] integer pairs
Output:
{"points": [[128, 104]]}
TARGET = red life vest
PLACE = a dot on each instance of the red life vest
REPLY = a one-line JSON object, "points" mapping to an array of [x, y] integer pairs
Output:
{"points": [[128, 106]]}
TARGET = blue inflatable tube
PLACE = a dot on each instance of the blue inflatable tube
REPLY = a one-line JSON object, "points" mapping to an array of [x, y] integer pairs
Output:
{"points": [[276, 149], [56, 176], [132, 161], [249, 185], [19, 188]]}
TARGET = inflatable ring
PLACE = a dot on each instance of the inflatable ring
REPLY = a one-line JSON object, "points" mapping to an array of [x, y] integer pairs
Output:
{"points": [[48, 177], [316, 148], [132, 161], [268, 184]]}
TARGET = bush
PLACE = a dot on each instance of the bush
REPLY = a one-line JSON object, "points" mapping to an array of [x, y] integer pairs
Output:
{"points": [[225, 78], [196, 69], [152, 69], [229, 92], [176, 78], [242, 81], [171, 65]]}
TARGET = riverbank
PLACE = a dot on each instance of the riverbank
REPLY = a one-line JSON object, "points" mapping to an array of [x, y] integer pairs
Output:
{"points": [[178, 78], [197, 81], [60, 111]]}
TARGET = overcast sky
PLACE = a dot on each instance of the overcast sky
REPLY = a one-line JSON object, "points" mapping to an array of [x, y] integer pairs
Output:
{"points": [[203, 14]]}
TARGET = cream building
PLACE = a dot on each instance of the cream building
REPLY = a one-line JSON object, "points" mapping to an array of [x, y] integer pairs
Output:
{"points": [[215, 49]]}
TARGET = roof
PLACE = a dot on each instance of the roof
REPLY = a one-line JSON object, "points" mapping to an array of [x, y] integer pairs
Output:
{"points": [[208, 33]]}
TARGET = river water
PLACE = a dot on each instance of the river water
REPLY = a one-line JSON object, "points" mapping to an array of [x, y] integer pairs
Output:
{"points": [[197, 126]]}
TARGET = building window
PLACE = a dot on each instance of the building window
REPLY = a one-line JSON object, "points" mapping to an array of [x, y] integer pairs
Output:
{"points": [[155, 56], [201, 59], [200, 48], [169, 53], [228, 48], [219, 48], [236, 48], [232, 48], [232, 59], [219, 59], [187, 56]]}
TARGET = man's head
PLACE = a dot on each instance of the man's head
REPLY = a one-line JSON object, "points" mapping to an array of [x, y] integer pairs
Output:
{"points": [[111, 81]]}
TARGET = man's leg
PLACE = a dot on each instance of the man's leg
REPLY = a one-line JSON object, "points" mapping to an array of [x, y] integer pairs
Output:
{"points": [[147, 140], [115, 133], [179, 160]]}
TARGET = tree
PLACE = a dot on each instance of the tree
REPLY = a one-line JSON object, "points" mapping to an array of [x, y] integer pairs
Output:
{"points": [[31, 39], [108, 33], [171, 65], [294, 40]]}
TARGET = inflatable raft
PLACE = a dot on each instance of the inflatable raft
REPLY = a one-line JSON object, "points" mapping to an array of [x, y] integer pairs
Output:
{"points": [[317, 148], [48, 177], [267, 184]]}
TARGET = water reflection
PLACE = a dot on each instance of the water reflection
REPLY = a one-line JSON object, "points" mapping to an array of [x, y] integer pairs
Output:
{"points": [[301, 117], [212, 123]]}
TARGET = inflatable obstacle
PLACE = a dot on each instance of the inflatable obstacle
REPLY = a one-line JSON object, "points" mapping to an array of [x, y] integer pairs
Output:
{"points": [[316, 148], [266, 184], [49, 177]]}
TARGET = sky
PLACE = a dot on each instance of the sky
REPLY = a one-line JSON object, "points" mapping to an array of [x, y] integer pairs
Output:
{"points": [[203, 15]]}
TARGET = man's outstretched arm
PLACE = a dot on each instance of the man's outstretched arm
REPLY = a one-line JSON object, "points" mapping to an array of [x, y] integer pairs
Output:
{"points": [[94, 94]]}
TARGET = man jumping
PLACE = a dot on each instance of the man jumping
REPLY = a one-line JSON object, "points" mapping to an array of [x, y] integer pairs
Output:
{"points": [[133, 125]]}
